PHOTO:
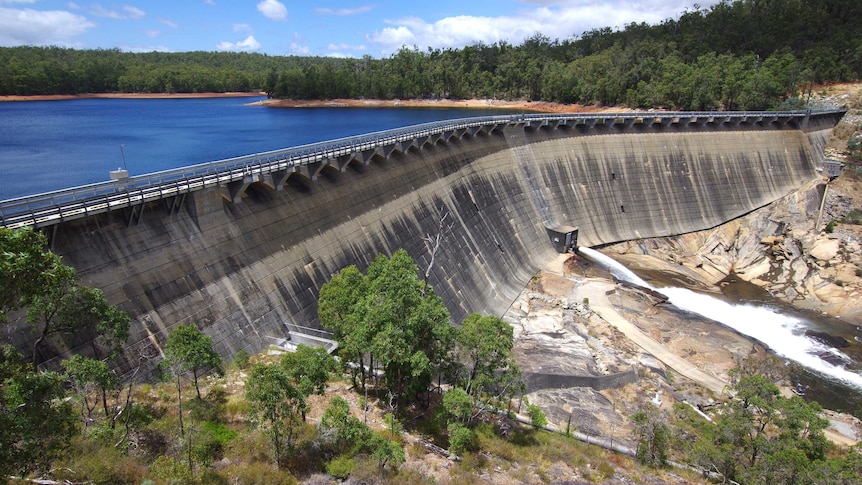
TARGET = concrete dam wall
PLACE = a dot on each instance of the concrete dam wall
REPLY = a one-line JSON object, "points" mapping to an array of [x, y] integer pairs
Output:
{"points": [[245, 271]]}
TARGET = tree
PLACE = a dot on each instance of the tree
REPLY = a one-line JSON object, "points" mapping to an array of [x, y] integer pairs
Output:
{"points": [[36, 424], [26, 268], [343, 432], [88, 376], [653, 436], [189, 349], [760, 436], [36, 279], [276, 405], [60, 306], [309, 368], [413, 334], [386, 316], [338, 310], [484, 348], [458, 405]]}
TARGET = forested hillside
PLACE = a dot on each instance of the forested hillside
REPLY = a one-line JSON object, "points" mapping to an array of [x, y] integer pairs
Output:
{"points": [[744, 54]]}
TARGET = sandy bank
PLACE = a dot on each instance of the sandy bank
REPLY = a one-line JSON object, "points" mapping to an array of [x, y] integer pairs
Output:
{"points": [[515, 105], [60, 97]]}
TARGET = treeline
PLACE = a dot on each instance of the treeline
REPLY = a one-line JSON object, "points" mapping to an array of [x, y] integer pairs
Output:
{"points": [[743, 54]]}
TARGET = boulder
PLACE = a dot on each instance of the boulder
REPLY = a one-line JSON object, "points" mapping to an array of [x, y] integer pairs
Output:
{"points": [[824, 249], [830, 293]]}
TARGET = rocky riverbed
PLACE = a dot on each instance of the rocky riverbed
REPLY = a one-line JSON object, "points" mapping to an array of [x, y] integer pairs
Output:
{"points": [[573, 318]]}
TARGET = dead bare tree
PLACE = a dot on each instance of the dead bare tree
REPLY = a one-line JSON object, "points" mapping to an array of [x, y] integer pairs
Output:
{"points": [[146, 353], [433, 242]]}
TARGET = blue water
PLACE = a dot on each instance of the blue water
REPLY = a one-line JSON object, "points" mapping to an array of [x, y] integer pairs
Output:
{"points": [[52, 145]]}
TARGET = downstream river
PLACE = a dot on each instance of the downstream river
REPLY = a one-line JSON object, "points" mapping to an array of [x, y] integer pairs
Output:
{"points": [[52, 145]]}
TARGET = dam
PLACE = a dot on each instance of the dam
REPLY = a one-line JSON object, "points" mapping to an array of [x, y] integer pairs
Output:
{"points": [[241, 247]]}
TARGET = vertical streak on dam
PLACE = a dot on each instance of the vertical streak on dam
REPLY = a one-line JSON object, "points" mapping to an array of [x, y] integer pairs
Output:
{"points": [[243, 270]]}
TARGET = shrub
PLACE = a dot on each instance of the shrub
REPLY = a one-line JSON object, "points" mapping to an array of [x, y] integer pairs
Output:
{"points": [[250, 447], [854, 147], [206, 410], [211, 443], [104, 465], [340, 467], [537, 417], [236, 408], [460, 438], [170, 470], [212, 477], [853, 217], [241, 359], [606, 469], [830, 227], [258, 473]]}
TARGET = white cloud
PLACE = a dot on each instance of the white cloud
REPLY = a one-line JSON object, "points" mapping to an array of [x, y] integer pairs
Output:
{"points": [[249, 44], [209, 2], [272, 9], [134, 12], [345, 11], [169, 23], [35, 27], [126, 12], [242, 28], [556, 19], [150, 48], [153, 33], [17, 1], [345, 47], [299, 50], [340, 55]]}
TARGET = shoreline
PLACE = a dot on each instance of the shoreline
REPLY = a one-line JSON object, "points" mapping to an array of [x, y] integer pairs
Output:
{"points": [[514, 105], [64, 97]]}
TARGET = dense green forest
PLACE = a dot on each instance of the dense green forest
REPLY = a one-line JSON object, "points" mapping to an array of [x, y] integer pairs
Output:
{"points": [[744, 54]]}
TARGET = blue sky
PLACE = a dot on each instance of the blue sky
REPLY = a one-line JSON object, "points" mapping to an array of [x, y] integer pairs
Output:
{"points": [[351, 28]]}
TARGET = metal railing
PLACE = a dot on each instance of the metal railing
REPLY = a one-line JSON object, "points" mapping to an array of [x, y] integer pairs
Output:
{"points": [[76, 202]]}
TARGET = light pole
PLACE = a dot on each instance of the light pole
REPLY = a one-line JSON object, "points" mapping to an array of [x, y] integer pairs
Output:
{"points": [[123, 154]]}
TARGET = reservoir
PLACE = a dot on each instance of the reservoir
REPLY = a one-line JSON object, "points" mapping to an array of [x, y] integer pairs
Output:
{"points": [[53, 145]]}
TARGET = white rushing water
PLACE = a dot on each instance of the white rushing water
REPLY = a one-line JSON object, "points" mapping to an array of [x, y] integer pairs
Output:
{"points": [[783, 334]]}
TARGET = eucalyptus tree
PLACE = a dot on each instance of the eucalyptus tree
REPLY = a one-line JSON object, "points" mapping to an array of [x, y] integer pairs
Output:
{"points": [[309, 369], [388, 317], [35, 279], [36, 422], [26, 268], [276, 405], [189, 349], [89, 376], [759, 436], [484, 349]]}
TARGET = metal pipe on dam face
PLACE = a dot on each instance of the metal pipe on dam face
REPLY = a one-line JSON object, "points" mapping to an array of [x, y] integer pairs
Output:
{"points": [[246, 262]]}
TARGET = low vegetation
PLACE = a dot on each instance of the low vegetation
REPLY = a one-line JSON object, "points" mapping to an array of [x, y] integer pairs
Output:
{"points": [[409, 387]]}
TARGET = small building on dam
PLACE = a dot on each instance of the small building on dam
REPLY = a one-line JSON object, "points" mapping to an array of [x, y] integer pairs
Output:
{"points": [[243, 248]]}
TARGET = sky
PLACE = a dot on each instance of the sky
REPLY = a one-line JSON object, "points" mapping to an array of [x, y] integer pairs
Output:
{"points": [[336, 28]]}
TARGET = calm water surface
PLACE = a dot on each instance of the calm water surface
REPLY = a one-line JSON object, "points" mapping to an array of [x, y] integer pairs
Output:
{"points": [[52, 145]]}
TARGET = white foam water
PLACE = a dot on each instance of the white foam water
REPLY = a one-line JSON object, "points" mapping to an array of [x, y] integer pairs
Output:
{"points": [[783, 334]]}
